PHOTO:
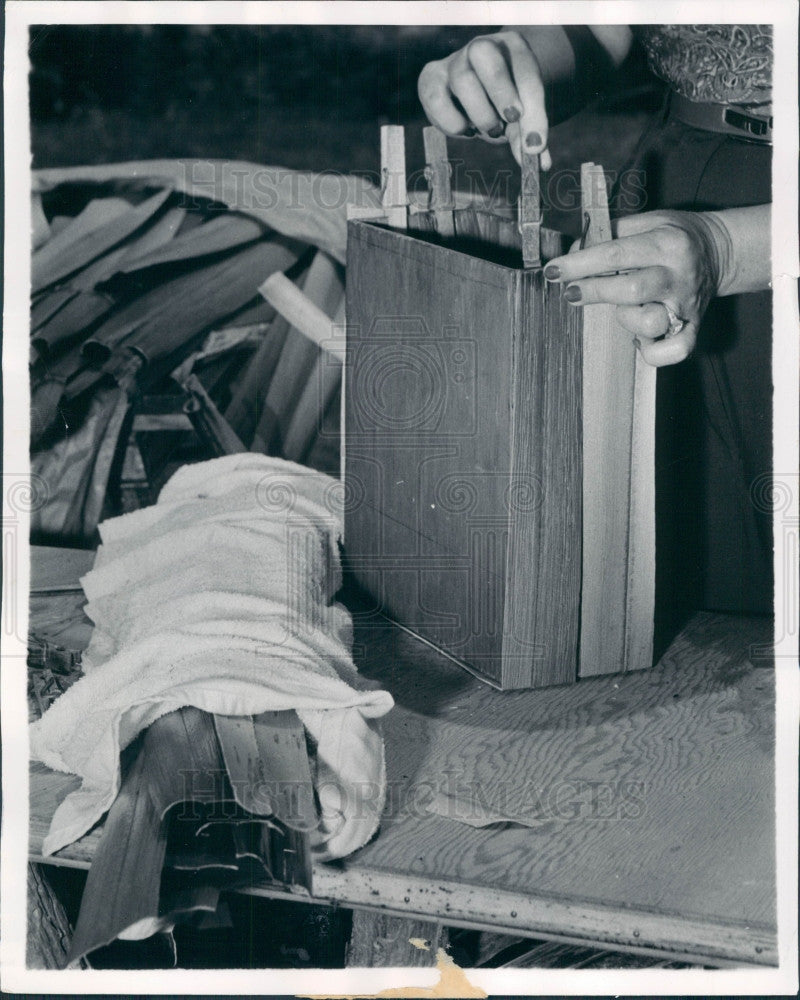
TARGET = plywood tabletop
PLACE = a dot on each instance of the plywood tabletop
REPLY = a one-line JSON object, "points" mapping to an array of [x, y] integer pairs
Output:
{"points": [[650, 799], [653, 790]]}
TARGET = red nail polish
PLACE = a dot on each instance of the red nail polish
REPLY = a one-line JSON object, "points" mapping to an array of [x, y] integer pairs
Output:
{"points": [[512, 114], [533, 139], [572, 293]]}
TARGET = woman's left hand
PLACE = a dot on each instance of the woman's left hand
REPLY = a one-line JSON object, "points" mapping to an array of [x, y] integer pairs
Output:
{"points": [[661, 272]]}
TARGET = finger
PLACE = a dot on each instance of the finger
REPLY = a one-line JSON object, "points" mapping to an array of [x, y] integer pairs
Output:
{"points": [[489, 63], [648, 284], [468, 89], [605, 258], [528, 79], [671, 350], [632, 225], [437, 102], [649, 320], [515, 142]]}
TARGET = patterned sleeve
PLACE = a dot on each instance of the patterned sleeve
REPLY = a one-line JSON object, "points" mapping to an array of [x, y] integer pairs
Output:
{"points": [[720, 63]]}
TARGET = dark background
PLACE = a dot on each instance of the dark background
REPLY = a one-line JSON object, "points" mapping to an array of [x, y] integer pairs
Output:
{"points": [[305, 97]]}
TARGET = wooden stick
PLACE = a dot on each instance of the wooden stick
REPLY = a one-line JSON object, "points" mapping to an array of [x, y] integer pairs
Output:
{"points": [[530, 212], [394, 194], [208, 422], [244, 410], [301, 312], [316, 396], [618, 572], [640, 607], [438, 172], [307, 311]]}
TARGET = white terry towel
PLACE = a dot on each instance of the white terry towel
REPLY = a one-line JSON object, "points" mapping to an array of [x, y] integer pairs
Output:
{"points": [[220, 596]]}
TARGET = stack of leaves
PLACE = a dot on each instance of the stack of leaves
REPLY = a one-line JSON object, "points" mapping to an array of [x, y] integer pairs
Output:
{"points": [[207, 804], [127, 281]]}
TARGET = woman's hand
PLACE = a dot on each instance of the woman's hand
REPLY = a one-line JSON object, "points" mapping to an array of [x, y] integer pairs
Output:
{"points": [[661, 272], [492, 86]]}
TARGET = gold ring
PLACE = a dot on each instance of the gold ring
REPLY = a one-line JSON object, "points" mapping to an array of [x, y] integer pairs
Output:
{"points": [[676, 324]]}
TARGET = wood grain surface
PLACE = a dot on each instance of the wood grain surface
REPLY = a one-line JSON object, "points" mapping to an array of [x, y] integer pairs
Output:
{"points": [[48, 928], [530, 210], [378, 940], [394, 195], [656, 794], [462, 454], [438, 174], [544, 579], [655, 789], [618, 429]]}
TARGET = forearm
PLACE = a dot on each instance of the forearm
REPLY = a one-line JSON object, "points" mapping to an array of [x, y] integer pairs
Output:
{"points": [[743, 240], [576, 62], [554, 53]]}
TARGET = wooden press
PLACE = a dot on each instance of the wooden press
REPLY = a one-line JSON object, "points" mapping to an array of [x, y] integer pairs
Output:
{"points": [[498, 441]]}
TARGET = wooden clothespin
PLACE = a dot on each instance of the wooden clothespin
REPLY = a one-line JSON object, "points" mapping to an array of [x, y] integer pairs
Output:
{"points": [[594, 205], [438, 173], [530, 211], [394, 194], [393, 210]]}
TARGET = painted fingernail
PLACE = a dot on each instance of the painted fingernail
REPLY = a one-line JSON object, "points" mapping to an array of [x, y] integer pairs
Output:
{"points": [[469, 131], [533, 139], [495, 132], [572, 293], [512, 114], [552, 272]]}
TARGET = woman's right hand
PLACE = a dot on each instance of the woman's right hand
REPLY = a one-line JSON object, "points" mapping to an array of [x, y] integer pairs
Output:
{"points": [[492, 87]]}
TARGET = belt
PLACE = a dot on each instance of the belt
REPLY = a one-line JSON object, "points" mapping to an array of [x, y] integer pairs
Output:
{"points": [[732, 119]]}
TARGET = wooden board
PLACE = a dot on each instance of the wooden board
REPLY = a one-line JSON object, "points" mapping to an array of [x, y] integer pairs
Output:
{"points": [[48, 929], [618, 417], [462, 457], [377, 940], [54, 568], [692, 875]]}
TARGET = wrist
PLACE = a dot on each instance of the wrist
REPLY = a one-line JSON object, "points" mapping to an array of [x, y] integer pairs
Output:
{"points": [[719, 250], [742, 240]]}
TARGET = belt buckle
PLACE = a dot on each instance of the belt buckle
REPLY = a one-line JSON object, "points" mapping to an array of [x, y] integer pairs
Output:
{"points": [[759, 128]]}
